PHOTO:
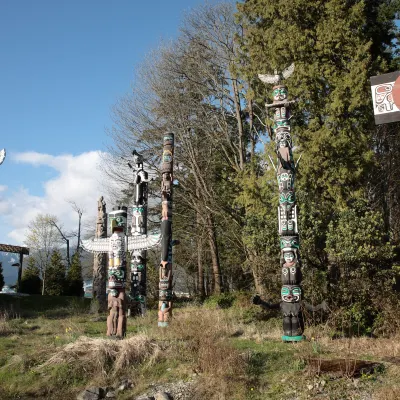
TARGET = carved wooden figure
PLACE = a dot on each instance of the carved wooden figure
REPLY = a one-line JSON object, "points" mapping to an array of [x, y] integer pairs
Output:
{"points": [[117, 246], [100, 259], [290, 264], [165, 285], [139, 228]]}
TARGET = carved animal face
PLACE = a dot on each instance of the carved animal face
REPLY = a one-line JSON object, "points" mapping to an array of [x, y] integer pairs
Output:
{"points": [[289, 242], [283, 139], [291, 294], [280, 93]]}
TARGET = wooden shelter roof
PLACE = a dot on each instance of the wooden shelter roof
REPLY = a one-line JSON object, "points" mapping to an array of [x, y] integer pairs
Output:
{"points": [[8, 248]]}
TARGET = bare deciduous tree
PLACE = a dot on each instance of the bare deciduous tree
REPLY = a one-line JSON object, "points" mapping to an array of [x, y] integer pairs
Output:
{"points": [[43, 238]]}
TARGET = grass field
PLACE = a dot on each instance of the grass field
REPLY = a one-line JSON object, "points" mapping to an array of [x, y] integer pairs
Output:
{"points": [[54, 347]]}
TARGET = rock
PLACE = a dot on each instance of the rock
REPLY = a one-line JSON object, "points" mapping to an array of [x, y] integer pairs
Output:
{"points": [[323, 383], [161, 396], [111, 394], [310, 387], [92, 393], [125, 384]]}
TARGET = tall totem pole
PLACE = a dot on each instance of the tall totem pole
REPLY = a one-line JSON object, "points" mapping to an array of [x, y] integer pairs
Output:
{"points": [[116, 321], [139, 228], [290, 263], [100, 259], [165, 285]]}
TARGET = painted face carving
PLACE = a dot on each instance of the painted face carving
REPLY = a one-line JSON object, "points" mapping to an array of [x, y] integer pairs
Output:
{"points": [[291, 294], [287, 198], [288, 256], [117, 243], [291, 242], [116, 275], [283, 139], [280, 93]]}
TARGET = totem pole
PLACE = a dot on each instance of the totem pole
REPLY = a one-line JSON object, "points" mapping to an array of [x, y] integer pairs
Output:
{"points": [[100, 259], [290, 263], [116, 321], [116, 246], [139, 228], [165, 286]]}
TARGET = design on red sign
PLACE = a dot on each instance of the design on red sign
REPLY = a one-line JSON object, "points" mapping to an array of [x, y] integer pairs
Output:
{"points": [[384, 97]]}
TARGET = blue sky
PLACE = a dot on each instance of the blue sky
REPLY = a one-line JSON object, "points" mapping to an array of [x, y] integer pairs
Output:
{"points": [[64, 64]]}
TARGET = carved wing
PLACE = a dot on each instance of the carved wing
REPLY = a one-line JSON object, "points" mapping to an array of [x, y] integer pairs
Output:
{"points": [[96, 245], [288, 71], [144, 242], [2, 155], [269, 78]]}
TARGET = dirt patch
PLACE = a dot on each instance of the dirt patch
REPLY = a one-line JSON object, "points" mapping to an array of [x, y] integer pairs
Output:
{"points": [[341, 367]]}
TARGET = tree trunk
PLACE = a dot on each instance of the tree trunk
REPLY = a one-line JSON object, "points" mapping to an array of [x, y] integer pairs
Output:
{"points": [[78, 246], [239, 124], [43, 280], [212, 240], [200, 270], [68, 259], [200, 253], [257, 276]]}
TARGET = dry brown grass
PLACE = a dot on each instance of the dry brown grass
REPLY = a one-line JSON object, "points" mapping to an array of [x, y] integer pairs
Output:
{"points": [[6, 327], [388, 393], [200, 336], [380, 348], [105, 356]]}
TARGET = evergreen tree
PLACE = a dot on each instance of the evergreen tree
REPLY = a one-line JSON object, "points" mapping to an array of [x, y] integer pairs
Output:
{"points": [[1, 276], [336, 46], [55, 275], [30, 281], [74, 283]]}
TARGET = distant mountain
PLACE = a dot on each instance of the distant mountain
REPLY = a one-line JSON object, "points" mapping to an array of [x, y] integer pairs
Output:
{"points": [[10, 273]]}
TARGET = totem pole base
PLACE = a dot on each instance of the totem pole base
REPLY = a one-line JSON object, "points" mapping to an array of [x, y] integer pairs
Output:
{"points": [[293, 338], [163, 324]]}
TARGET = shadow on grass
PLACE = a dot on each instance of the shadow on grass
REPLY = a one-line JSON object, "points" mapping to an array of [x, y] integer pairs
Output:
{"points": [[51, 307]]}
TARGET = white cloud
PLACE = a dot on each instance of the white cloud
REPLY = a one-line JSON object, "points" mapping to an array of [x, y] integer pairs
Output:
{"points": [[78, 179]]}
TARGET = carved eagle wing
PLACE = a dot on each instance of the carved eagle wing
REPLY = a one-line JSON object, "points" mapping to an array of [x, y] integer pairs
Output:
{"points": [[144, 242], [96, 245]]}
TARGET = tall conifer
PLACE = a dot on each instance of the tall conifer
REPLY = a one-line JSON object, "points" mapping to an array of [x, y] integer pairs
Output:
{"points": [[31, 282]]}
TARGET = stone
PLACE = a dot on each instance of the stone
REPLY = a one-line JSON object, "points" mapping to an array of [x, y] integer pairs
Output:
{"points": [[310, 387], [92, 393], [111, 394], [161, 396], [125, 384]]}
